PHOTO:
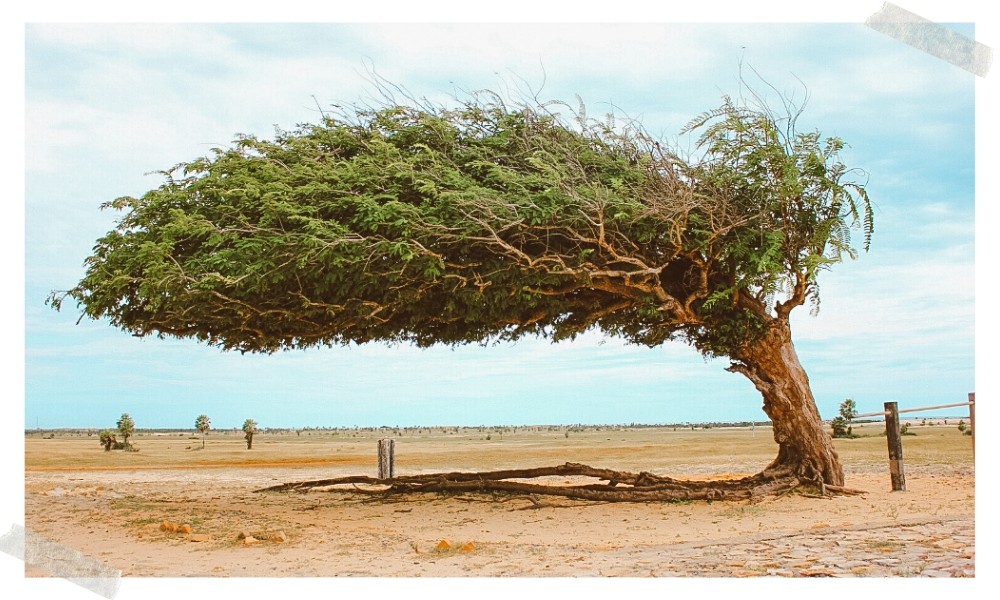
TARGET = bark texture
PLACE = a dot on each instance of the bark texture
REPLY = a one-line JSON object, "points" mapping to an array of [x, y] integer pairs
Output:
{"points": [[620, 486], [805, 449]]}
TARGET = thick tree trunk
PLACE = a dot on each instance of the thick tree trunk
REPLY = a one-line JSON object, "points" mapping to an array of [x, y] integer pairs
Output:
{"points": [[805, 448]]}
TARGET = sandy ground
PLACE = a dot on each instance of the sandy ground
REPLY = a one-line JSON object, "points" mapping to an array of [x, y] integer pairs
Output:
{"points": [[115, 515]]}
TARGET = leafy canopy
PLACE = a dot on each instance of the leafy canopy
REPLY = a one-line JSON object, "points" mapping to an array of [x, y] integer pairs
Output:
{"points": [[126, 425], [483, 222], [203, 423]]}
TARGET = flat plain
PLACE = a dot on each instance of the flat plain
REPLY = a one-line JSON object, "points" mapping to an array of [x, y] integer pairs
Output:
{"points": [[122, 508]]}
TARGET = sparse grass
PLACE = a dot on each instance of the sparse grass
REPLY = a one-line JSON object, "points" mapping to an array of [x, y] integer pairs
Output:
{"points": [[661, 450]]}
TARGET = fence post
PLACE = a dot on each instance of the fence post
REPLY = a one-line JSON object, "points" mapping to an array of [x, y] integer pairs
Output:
{"points": [[972, 422], [386, 459], [895, 441]]}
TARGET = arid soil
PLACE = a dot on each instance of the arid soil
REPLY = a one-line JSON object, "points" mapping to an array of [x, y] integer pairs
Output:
{"points": [[121, 508]]}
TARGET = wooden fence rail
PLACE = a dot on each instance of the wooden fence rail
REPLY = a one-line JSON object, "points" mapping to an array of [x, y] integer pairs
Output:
{"points": [[893, 434]]}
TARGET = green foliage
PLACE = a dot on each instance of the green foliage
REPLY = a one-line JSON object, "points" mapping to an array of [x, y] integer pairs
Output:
{"points": [[841, 427], [126, 426], [249, 429], [848, 409], [203, 424], [482, 222], [108, 439]]}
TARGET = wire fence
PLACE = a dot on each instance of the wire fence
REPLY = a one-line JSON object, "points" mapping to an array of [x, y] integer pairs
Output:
{"points": [[893, 434]]}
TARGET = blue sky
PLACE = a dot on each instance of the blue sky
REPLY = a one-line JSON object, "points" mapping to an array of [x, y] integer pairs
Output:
{"points": [[107, 104]]}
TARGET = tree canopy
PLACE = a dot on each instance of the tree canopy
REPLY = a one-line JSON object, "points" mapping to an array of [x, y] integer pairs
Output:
{"points": [[481, 222], [489, 221]]}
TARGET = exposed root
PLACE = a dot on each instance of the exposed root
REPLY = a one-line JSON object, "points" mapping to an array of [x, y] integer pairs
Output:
{"points": [[620, 486]]}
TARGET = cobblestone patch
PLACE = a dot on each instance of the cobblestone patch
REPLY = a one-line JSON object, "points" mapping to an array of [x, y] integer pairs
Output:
{"points": [[942, 548]]}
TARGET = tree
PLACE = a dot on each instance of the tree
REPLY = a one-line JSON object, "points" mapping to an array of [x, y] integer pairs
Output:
{"points": [[249, 428], [842, 423], [408, 222], [203, 424], [107, 439], [848, 409], [127, 427]]}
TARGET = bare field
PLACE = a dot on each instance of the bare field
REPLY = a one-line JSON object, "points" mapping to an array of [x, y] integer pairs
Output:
{"points": [[112, 505]]}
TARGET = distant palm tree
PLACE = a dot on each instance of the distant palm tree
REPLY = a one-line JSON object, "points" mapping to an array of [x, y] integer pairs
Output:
{"points": [[250, 428], [127, 427], [108, 440], [203, 424]]}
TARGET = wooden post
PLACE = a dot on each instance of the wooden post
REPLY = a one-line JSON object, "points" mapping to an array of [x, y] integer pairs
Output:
{"points": [[972, 422], [386, 459], [895, 441]]}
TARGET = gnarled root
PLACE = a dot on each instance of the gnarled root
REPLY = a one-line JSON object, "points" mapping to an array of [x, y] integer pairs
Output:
{"points": [[620, 486]]}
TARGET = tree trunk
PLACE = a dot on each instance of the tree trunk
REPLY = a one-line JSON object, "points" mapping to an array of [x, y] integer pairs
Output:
{"points": [[805, 448]]}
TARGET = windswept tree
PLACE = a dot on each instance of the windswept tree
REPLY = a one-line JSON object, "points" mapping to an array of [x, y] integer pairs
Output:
{"points": [[127, 427], [203, 424], [249, 429], [490, 222]]}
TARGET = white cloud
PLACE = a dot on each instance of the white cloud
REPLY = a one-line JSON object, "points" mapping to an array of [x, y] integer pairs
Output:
{"points": [[176, 39]]}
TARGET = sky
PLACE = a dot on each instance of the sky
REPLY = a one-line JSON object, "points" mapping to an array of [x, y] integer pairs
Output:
{"points": [[106, 106]]}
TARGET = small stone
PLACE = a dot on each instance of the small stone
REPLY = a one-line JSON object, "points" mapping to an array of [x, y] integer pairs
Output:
{"points": [[279, 537], [243, 534], [185, 528], [250, 540], [198, 537], [467, 547], [443, 545]]}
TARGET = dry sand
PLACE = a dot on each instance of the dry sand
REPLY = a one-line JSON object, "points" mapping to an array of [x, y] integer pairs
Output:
{"points": [[112, 506]]}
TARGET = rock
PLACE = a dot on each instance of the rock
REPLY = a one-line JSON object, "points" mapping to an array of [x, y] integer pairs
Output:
{"points": [[250, 540], [169, 527], [185, 528], [198, 537], [443, 545], [467, 547], [279, 537], [244, 534]]}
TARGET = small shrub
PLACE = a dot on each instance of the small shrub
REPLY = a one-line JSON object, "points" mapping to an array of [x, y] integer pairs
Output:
{"points": [[108, 440]]}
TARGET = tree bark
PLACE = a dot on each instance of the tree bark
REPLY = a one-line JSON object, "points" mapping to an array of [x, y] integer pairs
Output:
{"points": [[805, 448]]}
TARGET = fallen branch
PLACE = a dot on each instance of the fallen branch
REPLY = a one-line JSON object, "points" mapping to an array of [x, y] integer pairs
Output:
{"points": [[620, 486]]}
